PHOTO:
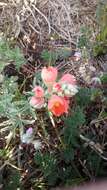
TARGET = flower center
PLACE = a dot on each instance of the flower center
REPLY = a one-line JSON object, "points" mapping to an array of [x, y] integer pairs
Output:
{"points": [[57, 104]]}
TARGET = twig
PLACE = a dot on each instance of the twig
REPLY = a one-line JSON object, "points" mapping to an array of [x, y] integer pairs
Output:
{"points": [[43, 17], [7, 163], [85, 169], [3, 4], [94, 146]]}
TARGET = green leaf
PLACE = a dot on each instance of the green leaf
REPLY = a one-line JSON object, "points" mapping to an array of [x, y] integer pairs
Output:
{"points": [[94, 162], [49, 56], [13, 181], [52, 56], [77, 118], [84, 37], [48, 165], [104, 79], [68, 155], [100, 46], [83, 97], [7, 54], [63, 53], [72, 126], [2, 65], [96, 93]]}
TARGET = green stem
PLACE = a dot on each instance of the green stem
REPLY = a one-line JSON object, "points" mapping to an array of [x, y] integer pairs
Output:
{"points": [[56, 131]]}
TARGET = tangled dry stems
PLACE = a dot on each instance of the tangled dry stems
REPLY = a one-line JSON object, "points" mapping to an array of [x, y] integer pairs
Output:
{"points": [[45, 17]]}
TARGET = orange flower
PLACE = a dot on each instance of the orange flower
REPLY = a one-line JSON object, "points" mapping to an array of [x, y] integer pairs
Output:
{"points": [[39, 92], [37, 102], [68, 78], [49, 75], [58, 105]]}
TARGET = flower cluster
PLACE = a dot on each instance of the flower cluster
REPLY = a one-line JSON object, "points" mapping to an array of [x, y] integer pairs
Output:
{"points": [[59, 93]]}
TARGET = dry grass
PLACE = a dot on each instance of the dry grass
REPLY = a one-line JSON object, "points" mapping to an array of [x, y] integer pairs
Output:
{"points": [[46, 17]]}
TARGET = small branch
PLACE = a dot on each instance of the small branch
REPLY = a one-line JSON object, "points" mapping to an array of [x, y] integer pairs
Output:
{"points": [[94, 146], [7, 163], [43, 17]]}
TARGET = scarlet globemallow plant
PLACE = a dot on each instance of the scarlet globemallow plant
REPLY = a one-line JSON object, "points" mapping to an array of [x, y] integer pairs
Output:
{"points": [[68, 79], [37, 100], [49, 75], [59, 92], [58, 105], [38, 91]]}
